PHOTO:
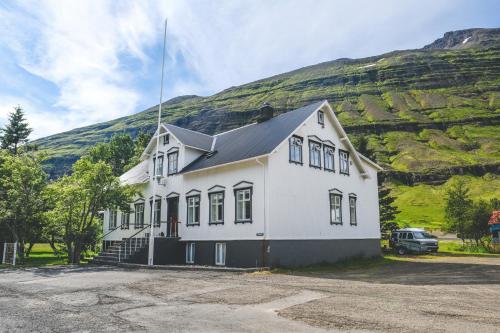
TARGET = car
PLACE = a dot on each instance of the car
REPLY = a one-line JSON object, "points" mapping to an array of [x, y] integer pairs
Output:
{"points": [[413, 240]]}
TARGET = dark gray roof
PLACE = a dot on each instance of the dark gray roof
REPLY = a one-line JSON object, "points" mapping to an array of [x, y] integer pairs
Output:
{"points": [[252, 140], [191, 138]]}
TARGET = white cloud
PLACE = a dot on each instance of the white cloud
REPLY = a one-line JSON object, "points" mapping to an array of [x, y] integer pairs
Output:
{"points": [[86, 48]]}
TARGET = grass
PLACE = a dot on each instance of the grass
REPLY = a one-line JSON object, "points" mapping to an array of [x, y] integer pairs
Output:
{"points": [[423, 205], [457, 248], [42, 255]]}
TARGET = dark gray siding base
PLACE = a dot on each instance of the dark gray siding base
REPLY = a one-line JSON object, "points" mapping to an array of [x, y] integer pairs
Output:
{"points": [[258, 253], [239, 253], [292, 253]]}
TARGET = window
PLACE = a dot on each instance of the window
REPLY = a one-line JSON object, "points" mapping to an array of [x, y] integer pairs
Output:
{"points": [[243, 199], [352, 210], [158, 165], [125, 222], [172, 163], [344, 162], [220, 254], [112, 219], [190, 253], [335, 208], [166, 139], [321, 117], [139, 216], [314, 154], [329, 158], [216, 208], [157, 211], [193, 210], [296, 150]]}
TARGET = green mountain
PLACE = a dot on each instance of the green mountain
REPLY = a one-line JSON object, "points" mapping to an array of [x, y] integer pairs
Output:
{"points": [[428, 114]]}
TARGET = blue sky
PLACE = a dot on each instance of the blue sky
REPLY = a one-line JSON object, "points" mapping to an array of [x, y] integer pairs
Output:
{"points": [[75, 63]]}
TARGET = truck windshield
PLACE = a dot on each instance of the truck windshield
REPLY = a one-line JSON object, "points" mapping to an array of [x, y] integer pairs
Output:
{"points": [[423, 235]]}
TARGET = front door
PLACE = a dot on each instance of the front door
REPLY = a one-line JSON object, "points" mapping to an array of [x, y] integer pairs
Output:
{"points": [[172, 216]]}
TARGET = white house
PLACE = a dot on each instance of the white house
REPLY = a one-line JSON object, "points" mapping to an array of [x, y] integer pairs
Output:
{"points": [[285, 191]]}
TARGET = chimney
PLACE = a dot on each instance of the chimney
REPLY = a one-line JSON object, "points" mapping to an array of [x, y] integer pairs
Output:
{"points": [[266, 112]]}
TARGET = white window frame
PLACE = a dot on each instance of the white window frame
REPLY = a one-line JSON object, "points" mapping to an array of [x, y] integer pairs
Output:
{"points": [[295, 149], [335, 208], [329, 151], [220, 254], [343, 162], [193, 206], [314, 154], [243, 198], [353, 214], [173, 161], [166, 139], [113, 219], [190, 252], [125, 220], [216, 199], [139, 215], [321, 118], [158, 166], [156, 211]]}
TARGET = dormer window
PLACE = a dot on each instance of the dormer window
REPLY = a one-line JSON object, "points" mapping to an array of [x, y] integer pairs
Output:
{"points": [[314, 154], [344, 162], [166, 139], [295, 149], [172, 162], [321, 118]]}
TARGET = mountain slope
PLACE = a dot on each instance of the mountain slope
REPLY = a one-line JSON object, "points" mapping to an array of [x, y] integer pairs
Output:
{"points": [[423, 111]]}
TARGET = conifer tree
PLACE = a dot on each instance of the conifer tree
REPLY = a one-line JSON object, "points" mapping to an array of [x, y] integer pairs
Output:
{"points": [[16, 131]]}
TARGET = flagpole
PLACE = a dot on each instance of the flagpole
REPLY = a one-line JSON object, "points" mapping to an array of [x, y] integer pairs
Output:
{"points": [[153, 205]]}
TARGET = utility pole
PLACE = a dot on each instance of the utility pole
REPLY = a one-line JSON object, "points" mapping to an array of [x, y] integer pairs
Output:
{"points": [[153, 205]]}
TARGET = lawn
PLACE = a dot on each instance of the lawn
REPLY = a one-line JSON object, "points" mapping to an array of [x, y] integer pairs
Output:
{"points": [[41, 255], [423, 205]]}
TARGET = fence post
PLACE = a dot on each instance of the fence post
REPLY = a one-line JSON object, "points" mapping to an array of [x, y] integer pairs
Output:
{"points": [[119, 252], [4, 250], [15, 253]]}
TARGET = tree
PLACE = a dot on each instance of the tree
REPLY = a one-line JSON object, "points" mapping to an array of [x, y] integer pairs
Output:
{"points": [[140, 143], [387, 210], [458, 208], [477, 226], [92, 187], [16, 132], [117, 152], [22, 200]]}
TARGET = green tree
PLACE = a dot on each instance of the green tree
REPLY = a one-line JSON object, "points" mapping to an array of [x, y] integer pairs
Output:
{"points": [[22, 200], [92, 187], [458, 208], [16, 132], [140, 143], [117, 152], [387, 211], [476, 227]]}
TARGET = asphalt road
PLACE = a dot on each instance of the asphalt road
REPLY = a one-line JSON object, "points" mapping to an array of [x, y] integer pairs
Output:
{"points": [[439, 295]]}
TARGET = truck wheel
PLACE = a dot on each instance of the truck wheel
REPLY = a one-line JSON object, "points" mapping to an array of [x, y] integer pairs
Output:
{"points": [[401, 251]]}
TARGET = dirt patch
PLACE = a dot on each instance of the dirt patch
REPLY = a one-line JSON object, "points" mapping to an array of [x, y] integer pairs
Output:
{"points": [[244, 296]]}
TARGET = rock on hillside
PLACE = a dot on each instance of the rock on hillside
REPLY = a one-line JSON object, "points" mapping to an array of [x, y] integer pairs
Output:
{"points": [[462, 39]]}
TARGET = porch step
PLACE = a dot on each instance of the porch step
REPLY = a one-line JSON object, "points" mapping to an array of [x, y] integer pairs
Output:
{"points": [[120, 249]]}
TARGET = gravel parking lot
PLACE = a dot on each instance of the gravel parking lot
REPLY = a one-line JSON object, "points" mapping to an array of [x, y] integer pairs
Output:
{"points": [[449, 295]]}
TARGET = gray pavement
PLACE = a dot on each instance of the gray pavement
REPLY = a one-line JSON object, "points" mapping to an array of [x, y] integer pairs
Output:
{"points": [[417, 296]]}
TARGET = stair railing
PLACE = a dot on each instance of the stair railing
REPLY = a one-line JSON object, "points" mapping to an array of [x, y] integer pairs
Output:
{"points": [[124, 242]]}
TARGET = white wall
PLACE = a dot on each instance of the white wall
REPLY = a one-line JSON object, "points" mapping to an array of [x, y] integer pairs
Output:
{"points": [[299, 194]]}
